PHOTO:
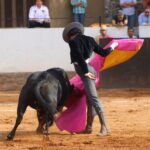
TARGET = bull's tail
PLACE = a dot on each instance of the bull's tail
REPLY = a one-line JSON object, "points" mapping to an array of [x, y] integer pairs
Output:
{"points": [[46, 106]]}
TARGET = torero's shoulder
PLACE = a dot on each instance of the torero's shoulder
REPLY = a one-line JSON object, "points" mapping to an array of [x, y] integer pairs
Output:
{"points": [[88, 37]]}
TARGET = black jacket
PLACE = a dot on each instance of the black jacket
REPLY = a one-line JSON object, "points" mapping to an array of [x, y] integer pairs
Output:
{"points": [[81, 49]]}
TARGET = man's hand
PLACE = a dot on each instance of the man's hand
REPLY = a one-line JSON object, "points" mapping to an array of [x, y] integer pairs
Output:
{"points": [[124, 5], [47, 20], [127, 5], [58, 114], [131, 4], [114, 45], [121, 24], [90, 75], [39, 21]]}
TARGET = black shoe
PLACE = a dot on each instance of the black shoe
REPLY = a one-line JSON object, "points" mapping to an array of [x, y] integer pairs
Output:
{"points": [[86, 131]]}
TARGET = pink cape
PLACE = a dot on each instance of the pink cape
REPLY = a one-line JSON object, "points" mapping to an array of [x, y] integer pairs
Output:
{"points": [[74, 118]]}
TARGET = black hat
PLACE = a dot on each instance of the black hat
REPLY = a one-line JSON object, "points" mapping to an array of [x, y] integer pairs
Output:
{"points": [[71, 26]]}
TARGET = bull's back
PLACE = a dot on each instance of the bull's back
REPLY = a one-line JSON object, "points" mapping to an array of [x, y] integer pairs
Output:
{"points": [[60, 75], [27, 91], [63, 79], [51, 78], [57, 72]]}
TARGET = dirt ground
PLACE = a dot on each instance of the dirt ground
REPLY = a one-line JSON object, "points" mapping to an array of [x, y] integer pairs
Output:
{"points": [[127, 112]]}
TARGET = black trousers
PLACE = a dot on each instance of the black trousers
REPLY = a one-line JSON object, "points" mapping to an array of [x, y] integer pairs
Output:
{"points": [[34, 24]]}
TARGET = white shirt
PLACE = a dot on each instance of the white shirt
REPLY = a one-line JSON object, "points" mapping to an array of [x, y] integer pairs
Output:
{"points": [[40, 14], [91, 57], [130, 10]]}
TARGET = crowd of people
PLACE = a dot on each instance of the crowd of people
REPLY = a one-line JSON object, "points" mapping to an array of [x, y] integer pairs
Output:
{"points": [[127, 15], [39, 15]]}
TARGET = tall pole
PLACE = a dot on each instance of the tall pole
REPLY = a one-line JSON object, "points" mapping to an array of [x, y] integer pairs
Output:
{"points": [[2, 12], [25, 12], [14, 17]]}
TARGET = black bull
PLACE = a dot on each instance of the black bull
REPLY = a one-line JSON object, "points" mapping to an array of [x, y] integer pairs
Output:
{"points": [[46, 92]]}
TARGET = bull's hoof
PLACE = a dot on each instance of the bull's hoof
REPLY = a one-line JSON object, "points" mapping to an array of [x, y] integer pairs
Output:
{"points": [[39, 130], [46, 133], [10, 136]]}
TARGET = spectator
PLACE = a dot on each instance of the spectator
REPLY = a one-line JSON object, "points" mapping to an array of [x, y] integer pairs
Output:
{"points": [[130, 32], [120, 19], [144, 18], [146, 3], [128, 7], [79, 8], [103, 34], [39, 15]]}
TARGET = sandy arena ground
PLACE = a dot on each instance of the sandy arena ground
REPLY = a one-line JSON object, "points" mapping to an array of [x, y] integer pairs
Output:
{"points": [[127, 112]]}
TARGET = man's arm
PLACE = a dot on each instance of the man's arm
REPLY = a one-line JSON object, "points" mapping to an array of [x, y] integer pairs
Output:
{"points": [[84, 3], [126, 5], [140, 20], [74, 3], [126, 21], [31, 13], [123, 4], [133, 3], [99, 50], [114, 22]]}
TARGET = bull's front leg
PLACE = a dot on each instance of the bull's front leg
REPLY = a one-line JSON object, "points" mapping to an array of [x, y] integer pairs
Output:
{"points": [[11, 135], [22, 106], [20, 112]]}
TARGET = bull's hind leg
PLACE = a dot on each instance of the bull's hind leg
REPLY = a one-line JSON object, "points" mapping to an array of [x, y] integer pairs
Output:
{"points": [[41, 121], [49, 115], [46, 95], [44, 123], [47, 124], [20, 111]]}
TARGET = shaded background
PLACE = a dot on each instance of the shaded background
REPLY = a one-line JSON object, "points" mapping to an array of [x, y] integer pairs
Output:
{"points": [[134, 73], [14, 13]]}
